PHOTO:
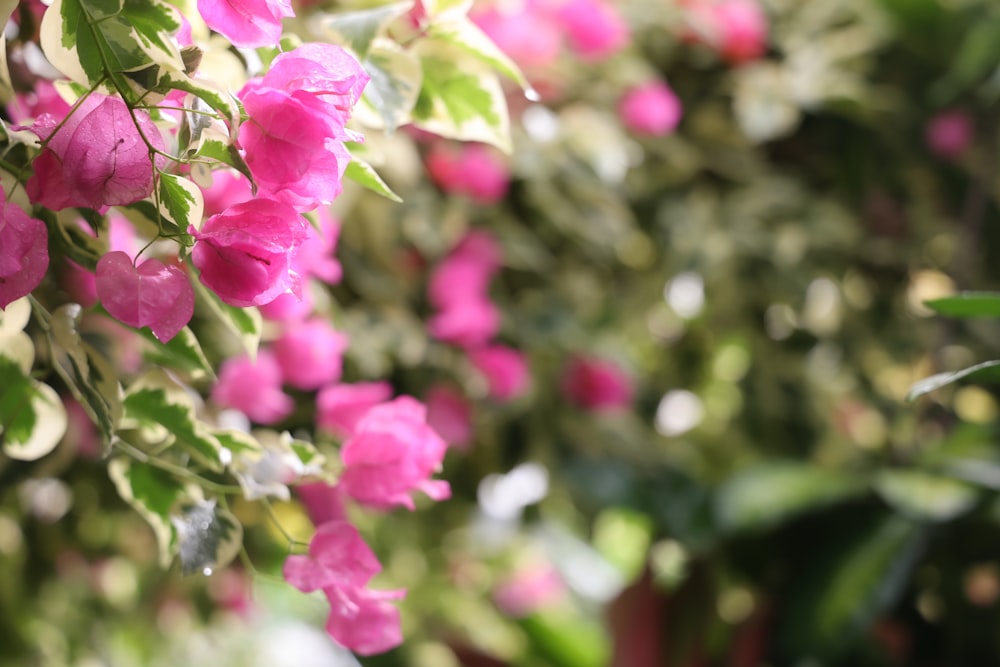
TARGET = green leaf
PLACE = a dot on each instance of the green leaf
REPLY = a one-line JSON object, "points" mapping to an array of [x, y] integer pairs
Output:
{"points": [[772, 493], [73, 240], [925, 496], [967, 304], [358, 29], [461, 98], [987, 370], [219, 100], [209, 537], [181, 353], [32, 416], [467, 36], [16, 345], [245, 324], [87, 373], [225, 153], [567, 640], [849, 585], [395, 84], [154, 494], [163, 408], [181, 202], [365, 175]]}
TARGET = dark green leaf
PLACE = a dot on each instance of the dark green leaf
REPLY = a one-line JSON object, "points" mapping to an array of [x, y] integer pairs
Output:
{"points": [[967, 304], [181, 353], [244, 323], [154, 494]]}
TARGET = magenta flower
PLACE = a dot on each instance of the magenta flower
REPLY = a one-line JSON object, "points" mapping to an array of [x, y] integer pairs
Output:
{"points": [[244, 253], [314, 258], [595, 29], [246, 23], [949, 133], [392, 453], [736, 29], [474, 170], [153, 294], [523, 31], [450, 414], [467, 324], [288, 308], [340, 407], [253, 388], [228, 187], [505, 370], [24, 252], [651, 109], [529, 590], [323, 502], [324, 70], [340, 564], [96, 159], [310, 354], [42, 99], [596, 384]]}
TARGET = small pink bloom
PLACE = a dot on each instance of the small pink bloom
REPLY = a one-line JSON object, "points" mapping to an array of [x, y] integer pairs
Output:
{"points": [[529, 590], [474, 170], [228, 187], [323, 502], [253, 388], [392, 453], [736, 29], [244, 253], [96, 158], [246, 23], [43, 99], [529, 36], [314, 258], [450, 414], [596, 384], [949, 133], [466, 324], [364, 620], [24, 252], [458, 280], [310, 354], [340, 407], [651, 108], [505, 370], [154, 294], [289, 308], [595, 29]]}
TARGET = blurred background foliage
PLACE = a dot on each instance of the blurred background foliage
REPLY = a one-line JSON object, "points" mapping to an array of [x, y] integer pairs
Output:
{"points": [[770, 499]]}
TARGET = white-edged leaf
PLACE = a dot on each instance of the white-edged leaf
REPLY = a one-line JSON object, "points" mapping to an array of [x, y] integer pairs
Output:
{"points": [[358, 29], [32, 416], [181, 202], [466, 35], [987, 370], [391, 94], [155, 495], [181, 353], [208, 537]]}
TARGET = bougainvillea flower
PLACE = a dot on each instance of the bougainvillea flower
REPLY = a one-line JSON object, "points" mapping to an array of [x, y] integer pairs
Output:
{"points": [[736, 29], [474, 170], [340, 407], [324, 70], [949, 133], [314, 258], [42, 99], [529, 590], [228, 187], [468, 323], [530, 36], [246, 23], [244, 253], [505, 370], [97, 158], [253, 388], [596, 384], [450, 414], [24, 252], [323, 502], [153, 294], [651, 108], [464, 275], [595, 29], [310, 354], [340, 564], [392, 453]]}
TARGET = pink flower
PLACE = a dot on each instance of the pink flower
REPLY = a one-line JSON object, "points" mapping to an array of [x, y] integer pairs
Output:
{"points": [[96, 159], [314, 258], [340, 407], [651, 108], [450, 414], [288, 308], [323, 502], [340, 564], [474, 170], [246, 23], [310, 354], [949, 133], [253, 388], [505, 370], [736, 29], [152, 294], [596, 384], [324, 70], [43, 99], [24, 252], [244, 253], [228, 187], [529, 590], [464, 275], [467, 324], [595, 29], [529, 36], [392, 453]]}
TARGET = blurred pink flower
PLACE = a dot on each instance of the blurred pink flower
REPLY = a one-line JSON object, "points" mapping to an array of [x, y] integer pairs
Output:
{"points": [[253, 388], [24, 252], [474, 170], [467, 324], [736, 29], [949, 133], [392, 453], [464, 275], [595, 29], [244, 253], [323, 502], [314, 258], [596, 384], [529, 590], [340, 407], [505, 370], [246, 23], [42, 99], [651, 108], [310, 354], [288, 307], [450, 414], [228, 187]]}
